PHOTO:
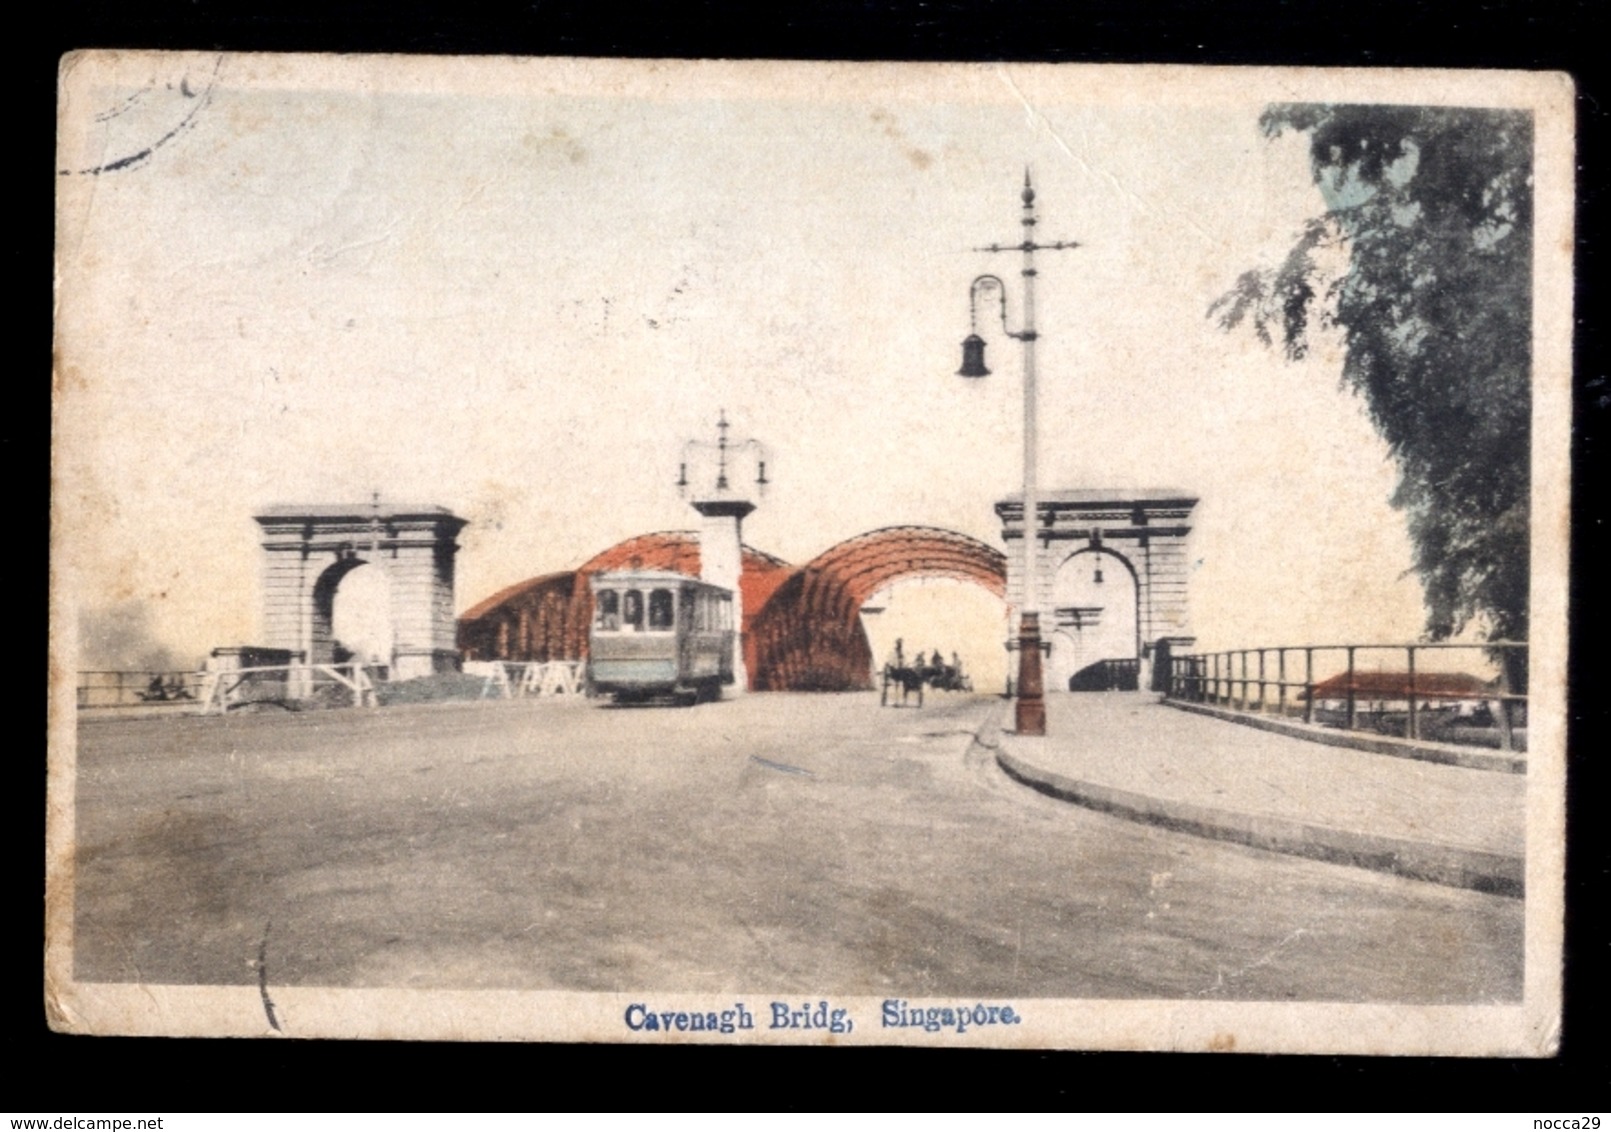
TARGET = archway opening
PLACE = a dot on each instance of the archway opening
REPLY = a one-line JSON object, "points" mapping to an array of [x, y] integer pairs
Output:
{"points": [[947, 615], [1095, 615], [361, 616]]}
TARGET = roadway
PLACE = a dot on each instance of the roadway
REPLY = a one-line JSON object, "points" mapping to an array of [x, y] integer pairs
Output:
{"points": [[775, 843]]}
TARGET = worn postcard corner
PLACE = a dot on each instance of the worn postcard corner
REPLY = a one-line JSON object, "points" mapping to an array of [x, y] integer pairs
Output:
{"points": [[943, 555]]}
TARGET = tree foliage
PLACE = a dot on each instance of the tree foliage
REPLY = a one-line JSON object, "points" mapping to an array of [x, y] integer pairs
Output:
{"points": [[1433, 208]]}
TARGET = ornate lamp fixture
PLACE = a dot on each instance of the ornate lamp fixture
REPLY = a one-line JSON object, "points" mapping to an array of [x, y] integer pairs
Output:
{"points": [[722, 447]]}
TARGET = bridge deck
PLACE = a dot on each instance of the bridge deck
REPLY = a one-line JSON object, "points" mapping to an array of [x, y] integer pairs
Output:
{"points": [[1129, 742]]}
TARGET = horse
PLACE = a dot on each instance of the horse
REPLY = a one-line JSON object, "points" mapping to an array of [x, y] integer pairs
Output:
{"points": [[908, 679]]}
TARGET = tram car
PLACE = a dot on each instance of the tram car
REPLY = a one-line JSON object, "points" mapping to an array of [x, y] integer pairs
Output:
{"points": [[659, 634]]}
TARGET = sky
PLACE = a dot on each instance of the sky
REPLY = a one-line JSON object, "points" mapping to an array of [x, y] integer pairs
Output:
{"points": [[517, 290]]}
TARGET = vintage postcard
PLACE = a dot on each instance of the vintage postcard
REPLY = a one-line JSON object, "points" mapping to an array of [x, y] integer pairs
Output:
{"points": [[738, 552]]}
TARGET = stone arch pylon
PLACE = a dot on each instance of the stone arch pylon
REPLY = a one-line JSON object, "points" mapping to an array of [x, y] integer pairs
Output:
{"points": [[309, 548], [1147, 529]]}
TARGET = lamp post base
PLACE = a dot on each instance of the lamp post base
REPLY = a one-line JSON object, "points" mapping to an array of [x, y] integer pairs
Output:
{"points": [[1030, 710]]}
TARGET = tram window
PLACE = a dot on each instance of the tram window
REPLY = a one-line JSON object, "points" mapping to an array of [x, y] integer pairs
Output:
{"points": [[686, 612], [609, 611], [632, 610], [660, 610]]}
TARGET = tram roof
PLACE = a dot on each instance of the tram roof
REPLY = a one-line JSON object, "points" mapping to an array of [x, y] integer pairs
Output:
{"points": [[646, 577]]}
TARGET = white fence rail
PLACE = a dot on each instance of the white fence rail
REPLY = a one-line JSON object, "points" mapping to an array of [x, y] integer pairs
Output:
{"points": [[228, 687], [216, 691], [510, 679]]}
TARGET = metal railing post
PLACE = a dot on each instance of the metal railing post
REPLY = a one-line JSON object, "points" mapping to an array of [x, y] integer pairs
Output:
{"points": [[1412, 727], [1309, 685], [1263, 698], [1281, 675], [1507, 740], [1349, 718]]}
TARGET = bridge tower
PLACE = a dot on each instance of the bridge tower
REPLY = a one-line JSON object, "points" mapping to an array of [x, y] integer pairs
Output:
{"points": [[1125, 538], [309, 548]]}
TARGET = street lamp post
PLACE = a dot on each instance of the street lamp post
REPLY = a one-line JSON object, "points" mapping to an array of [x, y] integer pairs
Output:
{"points": [[1030, 716]]}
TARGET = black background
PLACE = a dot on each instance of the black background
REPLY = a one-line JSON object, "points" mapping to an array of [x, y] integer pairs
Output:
{"points": [[58, 1074]]}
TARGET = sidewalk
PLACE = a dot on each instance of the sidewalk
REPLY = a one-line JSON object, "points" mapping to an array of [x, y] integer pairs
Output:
{"points": [[1126, 754]]}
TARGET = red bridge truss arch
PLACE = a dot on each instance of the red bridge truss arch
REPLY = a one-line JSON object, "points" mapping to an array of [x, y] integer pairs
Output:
{"points": [[809, 636]]}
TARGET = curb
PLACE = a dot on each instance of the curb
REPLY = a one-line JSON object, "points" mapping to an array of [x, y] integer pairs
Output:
{"points": [[1375, 744], [1497, 873]]}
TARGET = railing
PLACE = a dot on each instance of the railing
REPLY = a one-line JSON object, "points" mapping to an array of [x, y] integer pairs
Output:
{"points": [[510, 678], [142, 687], [1244, 680], [225, 688], [221, 689]]}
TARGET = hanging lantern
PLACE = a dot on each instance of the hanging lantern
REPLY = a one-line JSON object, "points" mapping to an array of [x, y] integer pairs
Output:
{"points": [[973, 363]]}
